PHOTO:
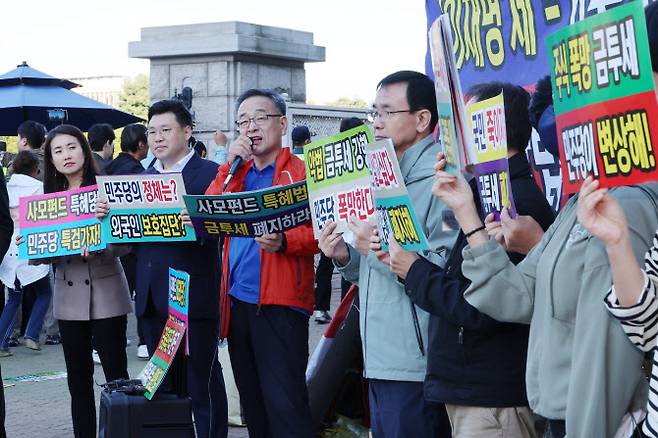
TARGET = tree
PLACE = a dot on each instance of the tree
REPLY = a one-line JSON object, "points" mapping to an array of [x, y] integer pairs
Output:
{"points": [[347, 102], [134, 97]]}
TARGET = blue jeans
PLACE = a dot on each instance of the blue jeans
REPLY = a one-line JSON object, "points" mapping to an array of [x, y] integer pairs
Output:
{"points": [[43, 292], [399, 410]]}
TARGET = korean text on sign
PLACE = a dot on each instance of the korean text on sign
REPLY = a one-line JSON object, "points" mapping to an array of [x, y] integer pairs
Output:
{"points": [[338, 179], [58, 224], [144, 208], [248, 214], [604, 99]]}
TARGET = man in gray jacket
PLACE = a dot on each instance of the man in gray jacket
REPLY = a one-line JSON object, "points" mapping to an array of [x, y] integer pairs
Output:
{"points": [[393, 330]]}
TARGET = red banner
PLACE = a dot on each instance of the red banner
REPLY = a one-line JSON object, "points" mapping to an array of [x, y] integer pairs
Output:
{"points": [[615, 141]]}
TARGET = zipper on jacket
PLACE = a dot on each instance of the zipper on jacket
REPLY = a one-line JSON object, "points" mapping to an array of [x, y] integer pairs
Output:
{"points": [[299, 273], [460, 336]]}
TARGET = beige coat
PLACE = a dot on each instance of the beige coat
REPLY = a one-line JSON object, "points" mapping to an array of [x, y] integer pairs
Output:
{"points": [[90, 289]]}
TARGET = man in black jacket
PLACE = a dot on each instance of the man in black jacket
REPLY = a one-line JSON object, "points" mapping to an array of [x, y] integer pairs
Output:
{"points": [[134, 147], [476, 365], [6, 231], [101, 140]]}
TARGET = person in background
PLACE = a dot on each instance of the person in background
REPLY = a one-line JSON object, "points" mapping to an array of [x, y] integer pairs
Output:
{"points": [[101, 140], [199, 147], [134, 147], [267, 281], [5, 158], [91, 297], [300, 136], [31, 136], [393, 330], [6, 230], [16, 274], [325, 268], [522, 233], [221, 141]]}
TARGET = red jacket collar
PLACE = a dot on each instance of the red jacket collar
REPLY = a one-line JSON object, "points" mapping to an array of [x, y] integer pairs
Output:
{"points": [[280, 164]]}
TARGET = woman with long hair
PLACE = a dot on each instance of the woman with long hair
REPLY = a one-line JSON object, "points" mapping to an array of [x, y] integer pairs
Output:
{"points": [[91, 298]]}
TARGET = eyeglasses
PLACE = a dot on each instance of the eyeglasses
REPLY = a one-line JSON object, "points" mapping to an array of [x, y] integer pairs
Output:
{"points": [[385, 115], [259, 119]]}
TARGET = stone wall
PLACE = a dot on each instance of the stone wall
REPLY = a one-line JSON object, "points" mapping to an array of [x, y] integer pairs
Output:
{"points": [[218, 61]]}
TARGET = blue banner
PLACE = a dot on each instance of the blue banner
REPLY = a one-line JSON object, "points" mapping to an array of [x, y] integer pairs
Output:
{"points": [[498, 40]]}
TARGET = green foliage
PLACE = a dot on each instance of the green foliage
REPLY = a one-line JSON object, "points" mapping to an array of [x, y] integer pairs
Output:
{"points": [[347, 102], [134, 97], [12, 142]]}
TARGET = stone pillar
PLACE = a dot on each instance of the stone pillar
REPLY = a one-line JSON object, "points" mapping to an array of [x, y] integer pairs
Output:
{"points": [[221, 60]]}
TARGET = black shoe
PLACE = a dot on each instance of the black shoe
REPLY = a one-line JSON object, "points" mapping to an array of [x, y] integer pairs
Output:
{"points": [[53, 340], [12, 342]]}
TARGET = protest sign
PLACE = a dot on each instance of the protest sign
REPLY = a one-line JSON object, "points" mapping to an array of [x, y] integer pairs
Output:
{"points": [[502, 41], [488, 140], [156, 368], [250, 214], [338, 179], [449, 98], [396, 215], [59, 224], [498, 40], [179, 288], [604, 99], [144, 208]]}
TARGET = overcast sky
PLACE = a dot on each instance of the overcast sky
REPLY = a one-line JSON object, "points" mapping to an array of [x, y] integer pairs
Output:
{"points": [[364, 39]]}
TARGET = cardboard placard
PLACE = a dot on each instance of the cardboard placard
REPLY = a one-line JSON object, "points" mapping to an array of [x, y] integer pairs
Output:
{"points": [[605, 104], [144, 208], [250, 214], [59, 224], [396, 214], [338, 179]]}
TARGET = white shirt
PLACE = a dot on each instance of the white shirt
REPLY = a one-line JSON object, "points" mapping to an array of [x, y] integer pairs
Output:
{"points": [[11, 268], [178, 167]]}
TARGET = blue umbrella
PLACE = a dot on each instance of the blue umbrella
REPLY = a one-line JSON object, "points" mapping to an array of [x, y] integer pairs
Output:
{"points": [[28, 94]]}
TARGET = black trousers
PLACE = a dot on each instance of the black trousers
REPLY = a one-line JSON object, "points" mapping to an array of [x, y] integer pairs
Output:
{"points": [[323, 274], [3, 433], [269, 353], [199, 375], [108, 337]]}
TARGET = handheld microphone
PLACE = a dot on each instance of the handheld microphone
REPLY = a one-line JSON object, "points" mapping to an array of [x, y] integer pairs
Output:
{"points": [[237, 162]]}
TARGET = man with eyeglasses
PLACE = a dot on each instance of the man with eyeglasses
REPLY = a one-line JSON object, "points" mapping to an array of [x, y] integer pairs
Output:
{"points": [[168, 132], [393, 330], [267, 282]]}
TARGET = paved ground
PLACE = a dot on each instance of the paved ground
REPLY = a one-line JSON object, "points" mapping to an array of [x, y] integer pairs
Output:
{"points": [[42, 409]]}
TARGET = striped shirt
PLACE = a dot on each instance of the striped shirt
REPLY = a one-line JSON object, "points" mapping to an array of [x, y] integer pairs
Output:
{"points": [[640, 323]]}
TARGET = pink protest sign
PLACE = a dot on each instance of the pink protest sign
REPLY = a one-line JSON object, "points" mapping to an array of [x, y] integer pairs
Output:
{"points": [[59, 224], [58, 208]]}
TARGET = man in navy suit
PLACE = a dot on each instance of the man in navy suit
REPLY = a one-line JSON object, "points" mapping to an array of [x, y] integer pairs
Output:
{"points": [[168, 133]]}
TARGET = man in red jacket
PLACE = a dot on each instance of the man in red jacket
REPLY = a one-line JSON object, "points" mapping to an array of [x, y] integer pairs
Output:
{"points": [[267, 282]]}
